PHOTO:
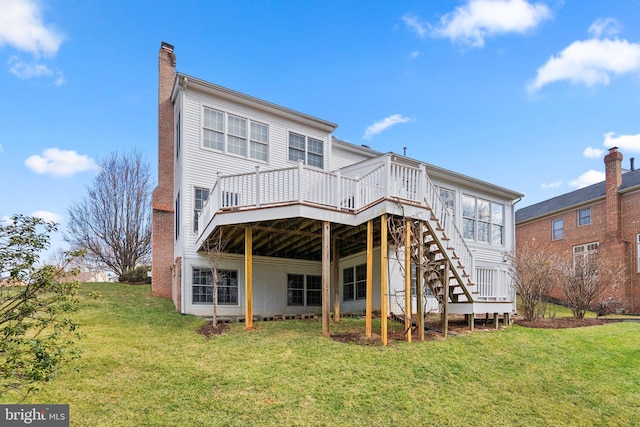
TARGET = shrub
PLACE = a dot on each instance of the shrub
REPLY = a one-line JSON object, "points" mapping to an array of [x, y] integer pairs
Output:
{"points": [[137, 276]]}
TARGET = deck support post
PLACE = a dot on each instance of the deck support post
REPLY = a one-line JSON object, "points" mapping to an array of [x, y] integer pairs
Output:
{"points": [[383, 279], [336, 281], [369, 306], [471, 320], [420, 276], [507, 319], [407, 280], [445, 308], [248, 275], [326, 277], [496, 320]]}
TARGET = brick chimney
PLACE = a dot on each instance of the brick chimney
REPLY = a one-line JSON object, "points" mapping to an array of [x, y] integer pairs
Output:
{"points": [[613, 172], [162, 201]]}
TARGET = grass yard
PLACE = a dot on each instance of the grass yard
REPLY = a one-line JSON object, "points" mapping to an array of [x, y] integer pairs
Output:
{"points": [[145, 365]]}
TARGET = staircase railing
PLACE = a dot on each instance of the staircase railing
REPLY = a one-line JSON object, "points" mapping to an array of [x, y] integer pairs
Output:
{"points": [[451, 231]]}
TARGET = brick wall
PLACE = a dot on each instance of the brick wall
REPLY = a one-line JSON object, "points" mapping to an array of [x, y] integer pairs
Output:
{"points": [[615, 223], [630, 220], [162, 199]]}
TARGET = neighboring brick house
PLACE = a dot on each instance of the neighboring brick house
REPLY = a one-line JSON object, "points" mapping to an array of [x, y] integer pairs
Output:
{"points": [[305, 214], [603, 217]]}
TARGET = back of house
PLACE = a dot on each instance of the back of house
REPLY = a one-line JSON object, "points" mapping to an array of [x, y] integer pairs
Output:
{"points": [[265, 202]]}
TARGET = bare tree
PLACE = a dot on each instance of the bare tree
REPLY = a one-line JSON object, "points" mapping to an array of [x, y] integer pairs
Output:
{"points": [[214, 248], [533, 269], [113, 221], [587, 282]]}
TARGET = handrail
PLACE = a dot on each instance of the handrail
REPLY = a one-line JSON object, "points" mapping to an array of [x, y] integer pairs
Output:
{"points": [[445, 217], [381, 179]]}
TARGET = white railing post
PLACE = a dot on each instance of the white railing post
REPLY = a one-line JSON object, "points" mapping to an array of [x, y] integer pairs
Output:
{"points": [[258, 186], [338, 193], [300, 182], [387, 176], [219, 191], [422, 184]]}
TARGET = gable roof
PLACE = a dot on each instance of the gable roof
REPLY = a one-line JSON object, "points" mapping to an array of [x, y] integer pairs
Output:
{"points": [[592, 193]]}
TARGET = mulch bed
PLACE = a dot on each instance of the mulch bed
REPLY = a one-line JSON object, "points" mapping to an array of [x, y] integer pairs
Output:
{"points": [[562, 323], [208, 330]]}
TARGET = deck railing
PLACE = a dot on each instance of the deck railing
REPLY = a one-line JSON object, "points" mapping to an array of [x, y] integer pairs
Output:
{"points": [[351, 190], [492, 285]]}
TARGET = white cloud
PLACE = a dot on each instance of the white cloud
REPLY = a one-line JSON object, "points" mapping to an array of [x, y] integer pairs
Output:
{"points": [[625, 142], [592, 153], [551, 185], [413, 23], [414, 54], [60, 80], [384, 124], [60, 162], [476, 20], [22, 27], [26, 71], [607, 27], [591, 61], [1, 149], [48, 216], [587, 178]]}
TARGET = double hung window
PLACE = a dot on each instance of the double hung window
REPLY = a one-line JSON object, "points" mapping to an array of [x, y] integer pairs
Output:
{"points": [[307, 149], [242, 137]]}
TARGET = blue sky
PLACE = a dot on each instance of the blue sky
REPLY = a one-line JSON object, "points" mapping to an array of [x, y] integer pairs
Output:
{"points": [[524, 94]]}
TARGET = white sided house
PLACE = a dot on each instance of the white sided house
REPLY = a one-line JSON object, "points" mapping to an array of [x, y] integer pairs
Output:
{"points": [[298, 222]]}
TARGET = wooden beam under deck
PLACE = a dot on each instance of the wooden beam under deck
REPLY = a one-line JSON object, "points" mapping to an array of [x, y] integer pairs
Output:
{"points": [[369, 301], [326, 276], [248, 274], [383, 279], [407, 280]]}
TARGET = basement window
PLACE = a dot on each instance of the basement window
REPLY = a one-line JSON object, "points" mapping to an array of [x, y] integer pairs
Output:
{"points": [[202, 286], [354, 282], [304, 290]]}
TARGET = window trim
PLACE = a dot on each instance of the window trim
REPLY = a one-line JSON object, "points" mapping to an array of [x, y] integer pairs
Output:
{"points": [[226, 133], [197, 211], [358, 284], [305, 290], [489, 223], [638, 250], [306, 153], [581, 217], [553, 229], [209, 273]]}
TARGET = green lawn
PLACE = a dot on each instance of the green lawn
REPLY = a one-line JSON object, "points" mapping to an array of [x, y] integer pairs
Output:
{"points": [[144, 365]]}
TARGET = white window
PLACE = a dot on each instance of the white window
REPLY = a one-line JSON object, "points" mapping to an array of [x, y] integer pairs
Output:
{"points": [[638, 252], [309, 150], [199, 198], [304, 290], [354, 282], [202, 286], [449, 199], [482, 220], [213, 129], [581, 253], [237, 136], [584, 216], [178, 136], [259, 141], [557, 229], [177, 216], [243, 137]]}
